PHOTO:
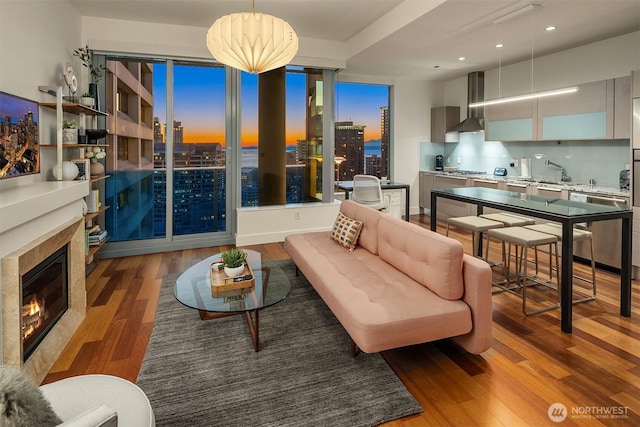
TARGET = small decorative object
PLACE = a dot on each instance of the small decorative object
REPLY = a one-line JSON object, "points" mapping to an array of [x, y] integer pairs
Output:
{"points": [[69, 171], [93, 135], [234, 260], [95, 154], [69, 132], [71, 80], [87, 100]]}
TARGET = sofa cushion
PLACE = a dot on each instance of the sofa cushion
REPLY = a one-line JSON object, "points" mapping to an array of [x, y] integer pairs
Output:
{"points": [[369, 234], [345, 231], [429, 258]]}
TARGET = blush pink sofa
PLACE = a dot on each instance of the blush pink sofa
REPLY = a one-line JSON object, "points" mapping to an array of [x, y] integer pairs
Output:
{"points": [[402, 285]]}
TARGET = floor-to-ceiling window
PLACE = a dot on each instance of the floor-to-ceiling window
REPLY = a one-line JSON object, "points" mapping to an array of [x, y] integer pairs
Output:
{"points": [[362, 140], [281, 125], [133, 190], [167, 157], [199, 196]]}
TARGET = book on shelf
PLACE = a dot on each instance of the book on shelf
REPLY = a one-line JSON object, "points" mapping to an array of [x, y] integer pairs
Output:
{"points": [[93, 201], [96, 239]]}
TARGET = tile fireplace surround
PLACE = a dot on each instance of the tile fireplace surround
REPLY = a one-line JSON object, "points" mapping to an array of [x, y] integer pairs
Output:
{"points": [[31, 229]]}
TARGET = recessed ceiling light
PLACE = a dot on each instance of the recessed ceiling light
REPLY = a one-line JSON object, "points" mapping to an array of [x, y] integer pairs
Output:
{"points": [[550, 28], [462, 58], [436, 66], [499, 45]]}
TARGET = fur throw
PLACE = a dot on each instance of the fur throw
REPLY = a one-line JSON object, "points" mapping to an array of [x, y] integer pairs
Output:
{"points": [[22, 403]]}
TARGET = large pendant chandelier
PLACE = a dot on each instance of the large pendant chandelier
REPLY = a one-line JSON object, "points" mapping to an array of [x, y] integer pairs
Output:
{"points": [[252, 42]]}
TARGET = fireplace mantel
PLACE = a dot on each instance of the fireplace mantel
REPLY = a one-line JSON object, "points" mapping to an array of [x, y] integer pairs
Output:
{"points": [[36, 218], [21, 204]]}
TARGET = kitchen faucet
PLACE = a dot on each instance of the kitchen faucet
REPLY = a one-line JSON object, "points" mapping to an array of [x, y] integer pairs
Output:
{"points": [[563, 174]]}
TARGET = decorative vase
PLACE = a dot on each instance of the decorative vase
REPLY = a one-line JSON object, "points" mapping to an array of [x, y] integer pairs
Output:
{"points": [[69, 136], [233, 271], [69, 171], [93, 90], [96, 168]]}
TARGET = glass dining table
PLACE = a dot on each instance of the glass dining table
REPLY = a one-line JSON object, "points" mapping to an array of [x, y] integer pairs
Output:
{"points": [[566, 212]]}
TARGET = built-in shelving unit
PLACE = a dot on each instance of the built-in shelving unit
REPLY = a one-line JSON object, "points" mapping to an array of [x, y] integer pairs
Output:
{"points": [[63, 106]]}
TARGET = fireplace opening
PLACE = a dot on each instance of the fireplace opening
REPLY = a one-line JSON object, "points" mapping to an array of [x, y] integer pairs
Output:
{"points": [[44, 299]]}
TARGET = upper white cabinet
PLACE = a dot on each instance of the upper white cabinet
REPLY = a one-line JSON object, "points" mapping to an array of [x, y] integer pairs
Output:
{"points": [[514, 121], [622, 107], [598, 110], [579, 115]]}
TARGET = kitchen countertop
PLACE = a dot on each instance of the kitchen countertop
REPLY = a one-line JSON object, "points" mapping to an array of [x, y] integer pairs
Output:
{"points": [[540, 183]]}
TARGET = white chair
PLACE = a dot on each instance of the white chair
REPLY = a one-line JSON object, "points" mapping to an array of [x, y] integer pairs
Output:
{"points": [[78, 400], [367, 191]]}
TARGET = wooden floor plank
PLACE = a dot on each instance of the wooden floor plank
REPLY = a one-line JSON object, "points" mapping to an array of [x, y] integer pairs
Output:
{"points": [[531, 364]]}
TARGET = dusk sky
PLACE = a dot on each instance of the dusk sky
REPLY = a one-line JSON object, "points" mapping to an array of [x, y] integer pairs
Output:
{"points": [[200, 97]]}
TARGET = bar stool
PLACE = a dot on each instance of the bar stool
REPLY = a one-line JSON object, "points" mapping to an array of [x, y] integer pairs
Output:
{"points": [[476, 225], [578, 235], [524, 238], [509, 220]]}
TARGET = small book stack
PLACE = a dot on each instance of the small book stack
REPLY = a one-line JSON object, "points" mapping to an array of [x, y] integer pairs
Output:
{"points": [[97, 236]]}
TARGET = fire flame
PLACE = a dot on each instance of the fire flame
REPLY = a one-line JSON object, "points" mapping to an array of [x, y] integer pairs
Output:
{"points": [[32, 316]]}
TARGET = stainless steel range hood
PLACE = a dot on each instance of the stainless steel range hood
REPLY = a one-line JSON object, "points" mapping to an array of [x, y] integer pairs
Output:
{"points": [[475, 93]]}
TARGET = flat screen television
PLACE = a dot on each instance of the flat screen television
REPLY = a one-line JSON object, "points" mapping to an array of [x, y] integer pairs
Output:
{"points": [[19, 136]]}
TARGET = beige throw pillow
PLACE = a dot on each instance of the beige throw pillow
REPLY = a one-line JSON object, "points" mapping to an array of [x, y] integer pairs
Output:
{"points": [[346, 231]]}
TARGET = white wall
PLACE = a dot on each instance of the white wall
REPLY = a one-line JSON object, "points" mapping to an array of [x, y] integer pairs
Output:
{"points": [[37, 40]]}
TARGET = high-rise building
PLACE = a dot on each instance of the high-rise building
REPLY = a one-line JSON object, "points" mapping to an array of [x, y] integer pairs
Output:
{"points": [[373, 165], [178, 132], [157, 130], [350, 145], [384, 142]]}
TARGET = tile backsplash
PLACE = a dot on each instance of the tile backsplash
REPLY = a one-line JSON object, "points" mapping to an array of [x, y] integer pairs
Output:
{"points": [[600, 160]]}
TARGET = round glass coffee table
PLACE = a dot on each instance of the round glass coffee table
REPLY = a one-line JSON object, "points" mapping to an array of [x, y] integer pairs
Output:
{"points": [[194, 289]]}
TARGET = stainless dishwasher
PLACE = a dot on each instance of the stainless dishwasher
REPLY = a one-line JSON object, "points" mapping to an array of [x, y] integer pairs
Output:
{"points": [[606, 234]]}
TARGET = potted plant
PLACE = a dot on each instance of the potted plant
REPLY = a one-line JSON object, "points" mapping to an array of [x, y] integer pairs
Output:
{"points": [[234, 260], [69, 132], [87, 100], [96, 72]]}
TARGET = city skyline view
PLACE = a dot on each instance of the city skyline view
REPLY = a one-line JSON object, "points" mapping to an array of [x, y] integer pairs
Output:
{"points": [[199, 104]]}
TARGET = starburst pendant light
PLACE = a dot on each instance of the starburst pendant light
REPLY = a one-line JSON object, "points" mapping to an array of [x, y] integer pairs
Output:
{"points": [[252, 42]]}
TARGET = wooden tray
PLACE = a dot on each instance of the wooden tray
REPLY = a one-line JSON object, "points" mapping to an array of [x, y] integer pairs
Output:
{"points": [[220, 282]]}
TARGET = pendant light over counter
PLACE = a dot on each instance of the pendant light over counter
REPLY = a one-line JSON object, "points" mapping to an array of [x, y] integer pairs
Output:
{"points": [[252, 42], [532, 95]]}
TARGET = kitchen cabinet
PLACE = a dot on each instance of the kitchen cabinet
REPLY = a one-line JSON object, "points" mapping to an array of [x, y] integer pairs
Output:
{"points": [[557, 193], [514, 121], [635, 84], [515, 187], [579, 115], [486, 183], [425, 186], [622, 108], [451, 208], [442, 120]]}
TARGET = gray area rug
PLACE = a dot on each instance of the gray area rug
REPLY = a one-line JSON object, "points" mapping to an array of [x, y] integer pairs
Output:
{"points": [[205, 373]]}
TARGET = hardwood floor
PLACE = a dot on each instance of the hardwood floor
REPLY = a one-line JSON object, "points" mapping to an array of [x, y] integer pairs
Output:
{"points": [[594, 372]]}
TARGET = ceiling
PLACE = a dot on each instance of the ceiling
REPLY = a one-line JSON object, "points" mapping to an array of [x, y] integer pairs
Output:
{"points": [[409, 38]]}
